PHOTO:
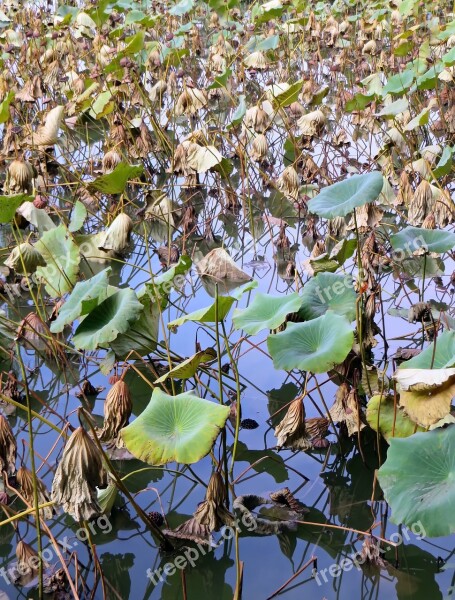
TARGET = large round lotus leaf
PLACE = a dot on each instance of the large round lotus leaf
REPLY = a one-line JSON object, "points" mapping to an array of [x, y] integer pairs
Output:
{"points": [[178, 428], [110, 318], [416, 240], [418, 480], [328, 291], [265, 312], [313, 346], [341, 198]]}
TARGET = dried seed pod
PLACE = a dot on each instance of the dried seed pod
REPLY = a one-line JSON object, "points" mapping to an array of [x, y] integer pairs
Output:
{"points": [[25, 480], [156, 517], [78, 474], [24, 259], [117, 411], [249, 424], [117, 235], [8, 447], [19, 177]]}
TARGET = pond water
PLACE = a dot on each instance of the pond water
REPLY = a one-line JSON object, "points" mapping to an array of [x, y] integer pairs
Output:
{"points": [[250, 217]]}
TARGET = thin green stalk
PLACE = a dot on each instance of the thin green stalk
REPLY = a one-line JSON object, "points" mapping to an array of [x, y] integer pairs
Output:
{"points": [[33, 469]]}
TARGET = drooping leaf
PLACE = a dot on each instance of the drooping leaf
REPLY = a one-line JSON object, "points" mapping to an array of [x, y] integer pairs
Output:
{"points": [[417, 480], [62, 257], [110, 318], [341, 198], [187, 368], [414, 240], [239, 112], [287, 96], [9, 205], [265, 312], [313, 346], [85, 296], [4, 106], [394, 108], [392, 422], [207, 314], [444, 165], [115, 182], [178, 428], [328, 291], [78, 216], [181, 8]]}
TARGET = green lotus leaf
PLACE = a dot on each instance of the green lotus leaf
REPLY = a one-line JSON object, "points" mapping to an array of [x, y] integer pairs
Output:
{"points": [[416, 240], [83, 299], [178, 428], [381, 414], [62, 258], [9, 205], [328, 291], [313, 346], [115, 182], [341, 198], [110, 318], [188, 367], [78, 217], [441, 357], [162, 285], [418, 480], [206, 314], [142, 336], [265, 312]]}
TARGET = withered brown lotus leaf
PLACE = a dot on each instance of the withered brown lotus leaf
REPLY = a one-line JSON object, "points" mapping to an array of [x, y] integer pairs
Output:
{"points": [[193, 530], [8, 447], [288, 183], [110, 160], [259, 148], [405, 191], [312, 123], [117, 411], [78, 474], [117, 236], [47, 134], [24, 259], [19, 177], [219, 266], [290, 432], [345, 410], [421, 203], [25, 480], [27, 563]]}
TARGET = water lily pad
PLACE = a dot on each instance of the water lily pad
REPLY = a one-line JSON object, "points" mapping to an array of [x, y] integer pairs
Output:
{"points": [[418, 480], [341, 198], [392, 422], [61, 254], [328, 291], [83, 299], [110, 318], [413, 240], [313, 346], [178, 428], [265, 312]]}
